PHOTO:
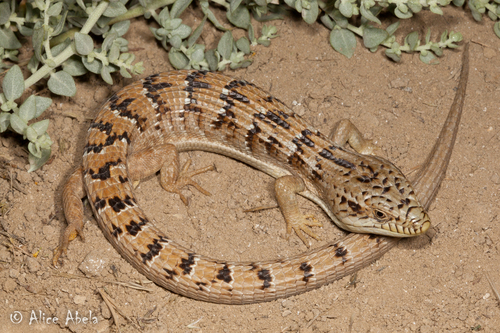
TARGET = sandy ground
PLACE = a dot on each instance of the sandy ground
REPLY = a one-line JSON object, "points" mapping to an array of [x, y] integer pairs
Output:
{"points": [[432, 283]]}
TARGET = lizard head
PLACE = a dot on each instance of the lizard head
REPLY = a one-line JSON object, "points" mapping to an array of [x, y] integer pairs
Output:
{"points": [[379, 200]]}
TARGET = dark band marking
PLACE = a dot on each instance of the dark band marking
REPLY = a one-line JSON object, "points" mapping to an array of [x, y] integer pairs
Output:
{"points": [[154, 250], [307, 268], [123, 180], [225, 274], [170, 273], [118, 204], [187, 264], [105, 128], [340, 252], [237, 83], [134, 228], [116, 231], [103, 173], [155, 87], [110, 140], [343, 163], [200, 284], [99, 203], [122, 106], [265, 275], [271, 144], [276, 119]]}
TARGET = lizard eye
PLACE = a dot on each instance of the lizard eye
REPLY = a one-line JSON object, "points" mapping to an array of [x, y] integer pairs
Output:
{"points": [[380, 214]]}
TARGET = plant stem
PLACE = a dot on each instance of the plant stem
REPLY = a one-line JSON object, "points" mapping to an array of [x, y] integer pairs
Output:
{"points": [[70, 50]]}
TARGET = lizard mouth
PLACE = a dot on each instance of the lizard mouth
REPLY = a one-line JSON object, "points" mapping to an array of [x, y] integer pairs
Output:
{"points": [[402, 231]]}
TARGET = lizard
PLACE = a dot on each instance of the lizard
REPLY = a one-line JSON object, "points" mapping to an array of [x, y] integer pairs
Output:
{"points": [[142, 128]]}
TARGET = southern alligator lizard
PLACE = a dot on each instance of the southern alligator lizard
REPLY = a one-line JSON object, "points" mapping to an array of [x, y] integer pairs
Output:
{"points": [[141, 129]]}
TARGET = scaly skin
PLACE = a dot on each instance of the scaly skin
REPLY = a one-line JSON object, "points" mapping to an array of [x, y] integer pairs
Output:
{"points": [[141, 129]]}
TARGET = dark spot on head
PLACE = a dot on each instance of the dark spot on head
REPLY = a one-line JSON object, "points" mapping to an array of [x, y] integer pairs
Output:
{"points": [[354, 206]]}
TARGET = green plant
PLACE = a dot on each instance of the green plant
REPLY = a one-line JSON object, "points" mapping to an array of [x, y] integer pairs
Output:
{"points": [[74, 37]]}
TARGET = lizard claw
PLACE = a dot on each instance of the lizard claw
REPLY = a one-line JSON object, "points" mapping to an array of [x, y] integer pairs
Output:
{"points": [[301, 225]]}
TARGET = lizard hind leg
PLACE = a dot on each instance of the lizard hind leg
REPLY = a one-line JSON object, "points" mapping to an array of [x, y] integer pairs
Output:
{"points": [[165, 158], [73, 193], [344, 132]]}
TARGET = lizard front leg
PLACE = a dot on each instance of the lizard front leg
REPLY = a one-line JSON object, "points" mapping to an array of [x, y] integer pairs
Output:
{"points": [[287, 188]]}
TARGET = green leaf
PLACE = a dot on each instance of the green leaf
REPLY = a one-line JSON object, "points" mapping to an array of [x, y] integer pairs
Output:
{"points": [[164, 15], [94, 66], [84, 44], [211, 60], [13, 83], [373, 37], [311, 15], [172, 24], [368, 14], [4, 121], [225, 46], [233, 5], [196, 34], [27, 110], [125, 73], [458, 3], [178, 59], [327, 21], [436, 9], [106, 75], [121, 28], [343, 41], [60, 24], [37, 162], [8, 39], [114, 52], [55, 9], [31, 134], [496, 29], [115, 9], [176, 42], [74, 67], [340, 20], [240, 17], [37, 40], [4, 12], [392, 28], [17, 124], [61, 83], [178, 7], [210, 15], [108, 41], [42, 104], [402, 15], [346, 9], [412, 40], [183, 31], [243, 45], [427, 58]]}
